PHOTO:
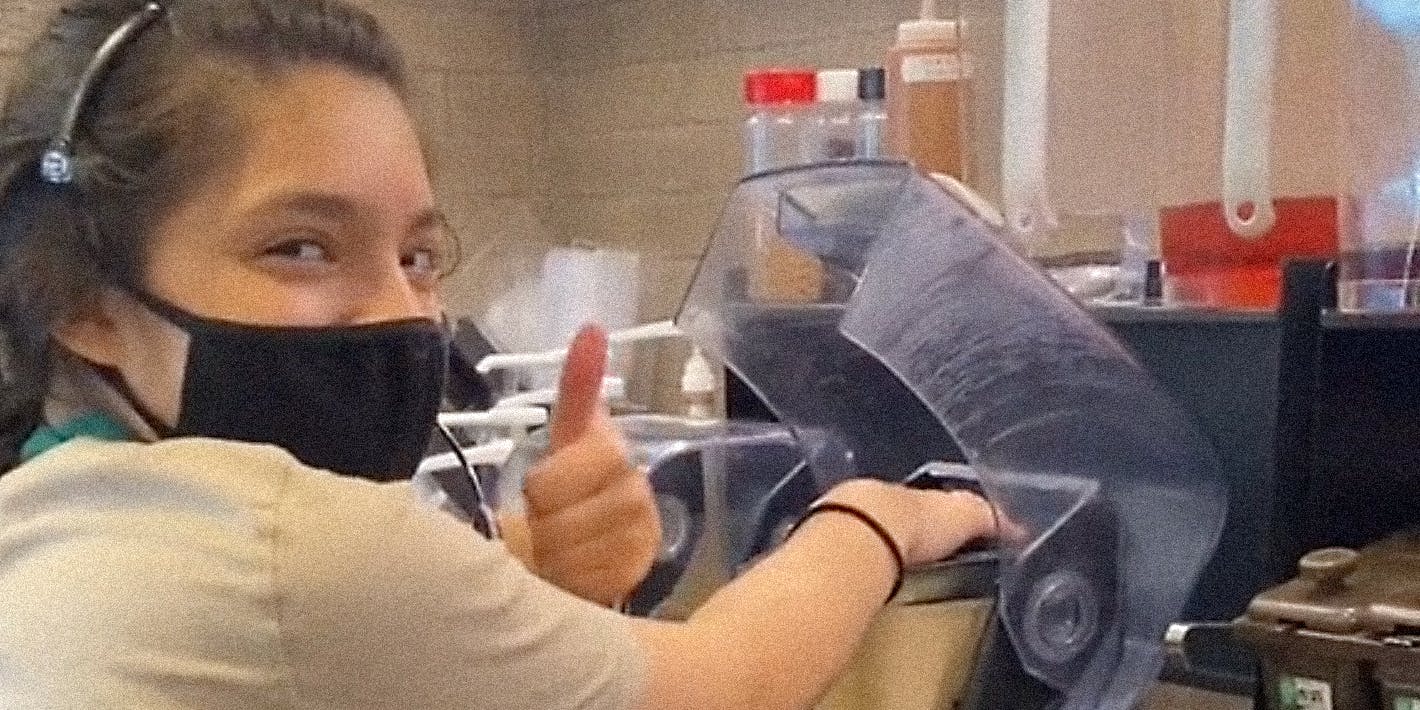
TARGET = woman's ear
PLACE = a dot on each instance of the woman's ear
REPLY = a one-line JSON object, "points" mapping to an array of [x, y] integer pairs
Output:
{"points": [[117, 332], [91, 331]]}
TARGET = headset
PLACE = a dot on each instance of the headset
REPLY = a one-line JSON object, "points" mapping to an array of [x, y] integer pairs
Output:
{"points": [[56, 166]]}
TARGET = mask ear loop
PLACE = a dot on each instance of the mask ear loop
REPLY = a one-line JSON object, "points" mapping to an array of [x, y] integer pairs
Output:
{"points": [[56, 165]]}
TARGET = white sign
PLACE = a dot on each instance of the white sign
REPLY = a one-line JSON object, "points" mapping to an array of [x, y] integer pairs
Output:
{"points": [[931, 68]]}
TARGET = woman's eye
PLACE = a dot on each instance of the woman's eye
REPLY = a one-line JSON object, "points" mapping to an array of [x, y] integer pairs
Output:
{"points": [[303, 250]]}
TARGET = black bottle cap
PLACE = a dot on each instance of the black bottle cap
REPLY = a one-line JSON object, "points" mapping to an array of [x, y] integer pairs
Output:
{"points": [[872, 84], [1154, 283]]}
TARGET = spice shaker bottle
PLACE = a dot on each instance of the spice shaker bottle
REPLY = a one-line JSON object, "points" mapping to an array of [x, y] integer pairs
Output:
{"points": [[835, 127], [925, 94], [777, 129], [779, 133]]}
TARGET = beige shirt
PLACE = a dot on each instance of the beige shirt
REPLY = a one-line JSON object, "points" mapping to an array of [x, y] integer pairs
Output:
{"points": [[196, 573]]}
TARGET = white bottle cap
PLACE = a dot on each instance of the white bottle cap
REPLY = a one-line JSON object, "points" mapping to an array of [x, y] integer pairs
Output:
{"points": [[838, 85], [697, 378], [917, 33], [697, 387]]}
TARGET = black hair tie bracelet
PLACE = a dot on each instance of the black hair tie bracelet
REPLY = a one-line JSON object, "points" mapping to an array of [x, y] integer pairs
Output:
{"points": [[873, 524]]}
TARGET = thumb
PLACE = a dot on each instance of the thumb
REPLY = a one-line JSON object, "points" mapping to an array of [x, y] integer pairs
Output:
{"points": [[579, 397]]}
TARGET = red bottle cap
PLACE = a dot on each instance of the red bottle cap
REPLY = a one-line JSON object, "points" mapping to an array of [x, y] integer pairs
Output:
{"points": [[781, 86]]}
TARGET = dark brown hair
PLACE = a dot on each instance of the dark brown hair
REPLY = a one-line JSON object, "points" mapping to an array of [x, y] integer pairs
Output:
{"points": [[145, 140]]}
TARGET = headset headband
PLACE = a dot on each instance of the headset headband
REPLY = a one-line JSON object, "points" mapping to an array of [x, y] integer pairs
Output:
{"points": [[56, 166]]}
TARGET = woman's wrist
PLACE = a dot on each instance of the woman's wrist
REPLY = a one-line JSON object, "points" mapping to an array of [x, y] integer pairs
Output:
{"points": [[859, 517]]}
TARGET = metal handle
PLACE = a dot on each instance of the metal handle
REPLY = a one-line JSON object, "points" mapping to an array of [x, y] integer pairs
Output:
{"points": [[1247, 124], [1025, 130]]}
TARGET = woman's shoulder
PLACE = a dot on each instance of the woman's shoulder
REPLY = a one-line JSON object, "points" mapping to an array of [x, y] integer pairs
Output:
{"points": [[319, 569], [167, 522], [207, 477], [258, 493], [168, 548]]}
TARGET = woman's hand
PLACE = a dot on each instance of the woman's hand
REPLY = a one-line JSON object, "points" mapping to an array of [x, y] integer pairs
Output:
{"points": [[927, 525], [592, 523]]}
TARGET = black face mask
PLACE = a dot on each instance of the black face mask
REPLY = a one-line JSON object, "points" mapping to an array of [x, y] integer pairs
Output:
{"points": [[358, 400]]}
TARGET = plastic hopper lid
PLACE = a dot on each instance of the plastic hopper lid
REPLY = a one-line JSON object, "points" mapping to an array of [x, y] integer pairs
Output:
{"points": [[1119, 498]]}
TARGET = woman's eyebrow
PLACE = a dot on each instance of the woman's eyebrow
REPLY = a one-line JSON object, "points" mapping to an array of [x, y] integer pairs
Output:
{"points": [[337, 208], [320, 204]]}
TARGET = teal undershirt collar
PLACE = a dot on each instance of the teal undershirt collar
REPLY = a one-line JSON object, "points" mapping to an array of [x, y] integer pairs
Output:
{"points": [[94, 425]]}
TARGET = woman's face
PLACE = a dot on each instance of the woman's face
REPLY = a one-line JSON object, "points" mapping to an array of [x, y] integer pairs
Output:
{"points": [[325, 218]]}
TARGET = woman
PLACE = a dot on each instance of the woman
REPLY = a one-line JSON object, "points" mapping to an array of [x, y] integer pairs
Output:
{"points": [[219, 310]]}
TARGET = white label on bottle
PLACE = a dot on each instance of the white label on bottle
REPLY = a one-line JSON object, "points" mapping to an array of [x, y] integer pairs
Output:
{"points": [[930, 68], [1304, 694]]}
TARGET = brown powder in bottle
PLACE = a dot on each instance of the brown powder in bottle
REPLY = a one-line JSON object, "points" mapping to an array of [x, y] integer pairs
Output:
{"points": [[925, 97]]}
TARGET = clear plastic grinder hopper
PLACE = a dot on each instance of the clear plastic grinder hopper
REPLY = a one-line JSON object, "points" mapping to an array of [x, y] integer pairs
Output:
{"points": [[1117, 499]]}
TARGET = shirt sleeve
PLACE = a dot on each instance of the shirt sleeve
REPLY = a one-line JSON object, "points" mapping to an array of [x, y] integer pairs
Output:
{"points": [[385, 603]]}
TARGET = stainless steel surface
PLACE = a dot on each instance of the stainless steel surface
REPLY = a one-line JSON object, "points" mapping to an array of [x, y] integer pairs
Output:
{"points": [[968, 576]]}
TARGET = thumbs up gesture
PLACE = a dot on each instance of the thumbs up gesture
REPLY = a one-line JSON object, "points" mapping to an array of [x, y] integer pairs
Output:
{"points": [[591, 515]]}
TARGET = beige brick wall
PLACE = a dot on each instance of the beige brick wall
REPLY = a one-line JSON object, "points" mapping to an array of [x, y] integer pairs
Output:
{"points": [[643, 98], [644, 109], [616, 122]]}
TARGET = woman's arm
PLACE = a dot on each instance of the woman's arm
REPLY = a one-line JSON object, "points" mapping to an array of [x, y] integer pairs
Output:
{"points": [[774, 638], [777, 636], [382, 602]]}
